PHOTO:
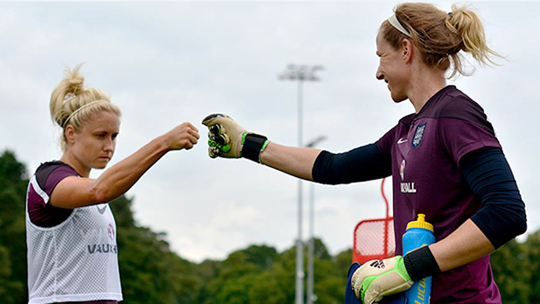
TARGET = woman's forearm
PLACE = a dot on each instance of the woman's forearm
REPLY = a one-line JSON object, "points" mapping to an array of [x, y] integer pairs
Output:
{"points": [[291, 160], [465, 245], [119, 178]]}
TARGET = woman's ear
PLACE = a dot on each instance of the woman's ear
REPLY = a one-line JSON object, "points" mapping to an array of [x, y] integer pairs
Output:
{"points": [[407, 50], [70, 134]]}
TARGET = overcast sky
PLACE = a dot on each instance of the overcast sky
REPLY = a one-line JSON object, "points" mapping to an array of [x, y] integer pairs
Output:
{"points": [[166, 63]]}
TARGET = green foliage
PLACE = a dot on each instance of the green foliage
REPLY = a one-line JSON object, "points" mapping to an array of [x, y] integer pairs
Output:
{"points": [[149, 271], [278, 283], [238, 275], [533, 261], [13, 185], [243, 279], [516, 269], [343, 259], [10, 289], [510, 265], [152, 273], [262, 256]]}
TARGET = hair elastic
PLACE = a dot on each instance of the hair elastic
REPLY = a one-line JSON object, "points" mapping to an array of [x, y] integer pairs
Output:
{"points": [[78, 110], [395, 23], [69, 97]]}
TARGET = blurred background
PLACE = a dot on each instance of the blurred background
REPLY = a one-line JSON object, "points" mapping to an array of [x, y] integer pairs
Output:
{"points": [[169, 62]]}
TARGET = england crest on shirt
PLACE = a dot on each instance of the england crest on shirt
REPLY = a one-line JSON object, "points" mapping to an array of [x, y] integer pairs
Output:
{"points": [[418, 135]]}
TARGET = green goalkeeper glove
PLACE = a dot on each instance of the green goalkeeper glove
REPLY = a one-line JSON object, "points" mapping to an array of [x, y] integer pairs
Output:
{"points": [[226, 138], [379, 278]]}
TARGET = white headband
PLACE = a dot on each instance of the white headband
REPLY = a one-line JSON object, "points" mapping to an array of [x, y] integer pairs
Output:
{"points": [[395, 23], [79, 109]]}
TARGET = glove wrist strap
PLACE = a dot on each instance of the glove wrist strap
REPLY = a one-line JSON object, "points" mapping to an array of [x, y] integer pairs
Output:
{"points": [[421, 263], [253, 145]]}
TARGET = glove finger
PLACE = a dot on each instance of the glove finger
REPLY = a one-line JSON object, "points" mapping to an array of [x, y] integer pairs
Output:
{"points": [[224, 148], [208, 120], [214, 152], [222, 139], [215, 129], [356, 283]]}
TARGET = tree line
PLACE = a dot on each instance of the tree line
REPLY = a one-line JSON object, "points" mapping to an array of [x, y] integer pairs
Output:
{"points": [[152, 273]]}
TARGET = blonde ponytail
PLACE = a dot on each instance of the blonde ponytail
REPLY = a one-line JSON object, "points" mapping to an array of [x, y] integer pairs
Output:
{"points": [[466, 23]]}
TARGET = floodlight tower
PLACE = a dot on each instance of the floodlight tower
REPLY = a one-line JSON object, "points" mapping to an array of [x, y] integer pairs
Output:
{"points": [[300, 73], [311, 296]]}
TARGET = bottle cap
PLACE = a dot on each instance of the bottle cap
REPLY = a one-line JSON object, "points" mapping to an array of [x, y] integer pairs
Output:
{"points": [[420, 223]]}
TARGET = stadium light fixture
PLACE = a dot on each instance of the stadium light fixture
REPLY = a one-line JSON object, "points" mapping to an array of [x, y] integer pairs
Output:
{"points": [[300, 73]]}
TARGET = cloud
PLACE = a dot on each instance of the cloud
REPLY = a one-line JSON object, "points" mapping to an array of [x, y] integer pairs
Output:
{"points": [[166, 63]]}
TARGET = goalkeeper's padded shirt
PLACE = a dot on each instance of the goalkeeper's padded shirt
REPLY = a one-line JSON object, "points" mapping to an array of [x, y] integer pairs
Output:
{"points": [[72, 254], [423, 153]]}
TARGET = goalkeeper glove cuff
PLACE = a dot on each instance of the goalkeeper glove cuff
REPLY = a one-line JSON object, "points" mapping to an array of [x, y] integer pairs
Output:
{"points": [[253, 144]]}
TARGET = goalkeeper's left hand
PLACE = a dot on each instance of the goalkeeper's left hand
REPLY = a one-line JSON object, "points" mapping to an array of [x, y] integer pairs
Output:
{"points": [[225, 136], [379, 278]]}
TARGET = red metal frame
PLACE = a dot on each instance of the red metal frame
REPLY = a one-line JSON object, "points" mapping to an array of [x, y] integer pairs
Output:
{"points": [[387, 252]]}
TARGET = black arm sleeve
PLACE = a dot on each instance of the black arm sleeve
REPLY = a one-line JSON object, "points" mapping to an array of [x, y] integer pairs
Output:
{"points": [[502, 216], [360, 164]]}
